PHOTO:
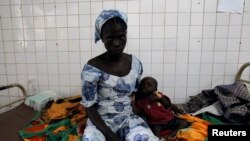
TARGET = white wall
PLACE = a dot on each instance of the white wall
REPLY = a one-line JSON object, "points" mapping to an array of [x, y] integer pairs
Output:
{"points": [[185, 44]]}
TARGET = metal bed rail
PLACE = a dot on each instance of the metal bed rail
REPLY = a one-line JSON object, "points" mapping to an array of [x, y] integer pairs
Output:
{"points": [[239, 73], [24, 92]]}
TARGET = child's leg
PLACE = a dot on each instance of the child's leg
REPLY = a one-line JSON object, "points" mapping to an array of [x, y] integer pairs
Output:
{"points": [[156, 130], [179, 124]]}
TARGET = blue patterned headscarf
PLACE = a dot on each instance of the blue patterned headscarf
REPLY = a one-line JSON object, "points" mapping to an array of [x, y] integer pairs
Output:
{"points": [[104, 16]]}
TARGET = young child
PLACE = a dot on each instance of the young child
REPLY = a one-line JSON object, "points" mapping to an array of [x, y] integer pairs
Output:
{"points": [[157, 109], [108, 81]]}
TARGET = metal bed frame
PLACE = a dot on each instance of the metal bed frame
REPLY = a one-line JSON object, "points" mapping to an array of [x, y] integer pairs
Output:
{"points": [[15, 118], [239, 73], [24, 92]]}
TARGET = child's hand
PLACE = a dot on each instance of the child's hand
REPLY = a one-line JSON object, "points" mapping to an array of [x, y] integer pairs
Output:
{"points": [[159, 96], [155, 96]]}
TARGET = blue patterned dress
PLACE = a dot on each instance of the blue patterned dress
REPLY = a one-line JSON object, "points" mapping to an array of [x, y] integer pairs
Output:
{"points": [[112, 96]]}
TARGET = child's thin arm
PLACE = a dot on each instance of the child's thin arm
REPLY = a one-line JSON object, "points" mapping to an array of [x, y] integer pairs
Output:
{"points": [[176, 109], [167, 103], [136, 110], [135, 107], [163, 100]]}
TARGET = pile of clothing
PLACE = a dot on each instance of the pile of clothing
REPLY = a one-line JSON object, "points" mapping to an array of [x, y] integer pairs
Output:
{"points": [[233, 100]]}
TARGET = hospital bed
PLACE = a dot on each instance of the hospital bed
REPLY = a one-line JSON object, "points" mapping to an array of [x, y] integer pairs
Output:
{"points": [[17, 118]]}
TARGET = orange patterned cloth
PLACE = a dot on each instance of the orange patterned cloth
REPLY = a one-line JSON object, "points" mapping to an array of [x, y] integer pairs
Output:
{"points": [[65, 108], [196, 132], [39, 131], [61, 119]]}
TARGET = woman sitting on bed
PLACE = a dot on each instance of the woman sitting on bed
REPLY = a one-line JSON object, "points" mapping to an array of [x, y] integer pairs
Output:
{"points": [[157, 108], [108, 81]]}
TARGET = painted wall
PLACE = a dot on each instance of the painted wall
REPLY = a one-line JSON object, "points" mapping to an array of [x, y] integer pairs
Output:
{"points": [[185, 44]]}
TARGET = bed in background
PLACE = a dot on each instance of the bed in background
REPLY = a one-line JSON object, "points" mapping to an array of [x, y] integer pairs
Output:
{"points": [[223, 105], [15, 119], [229, 102], [61, 119]]}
